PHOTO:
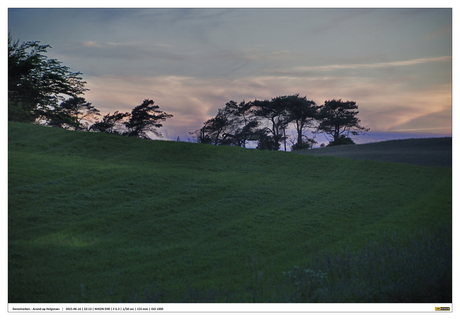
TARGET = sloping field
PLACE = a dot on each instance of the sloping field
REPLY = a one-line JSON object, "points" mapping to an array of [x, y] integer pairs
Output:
{"points": [[94, 217], [422, 152]]}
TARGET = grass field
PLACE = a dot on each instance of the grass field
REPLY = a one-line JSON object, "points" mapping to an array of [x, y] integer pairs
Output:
{"points": [[422, 152], [104, 218]]}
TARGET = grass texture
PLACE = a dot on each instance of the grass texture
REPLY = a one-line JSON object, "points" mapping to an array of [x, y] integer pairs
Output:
{"points": [[422, 152], [103, 218]]}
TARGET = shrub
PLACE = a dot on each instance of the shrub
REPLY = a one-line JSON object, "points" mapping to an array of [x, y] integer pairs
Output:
{"points": [[343, 140]]}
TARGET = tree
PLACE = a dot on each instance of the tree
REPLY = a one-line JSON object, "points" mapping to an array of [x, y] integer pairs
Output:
{"points": [[266, 141], [108, 123], [338, 119], [36, 84], [146, 118], [302, 113], [216, 130], [75, 113], [242, 122], [306, 143], [276, 119], [233, 125], [199, 136]]}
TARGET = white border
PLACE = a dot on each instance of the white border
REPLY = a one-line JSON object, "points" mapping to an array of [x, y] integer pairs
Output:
{"points": [[228, 307]]}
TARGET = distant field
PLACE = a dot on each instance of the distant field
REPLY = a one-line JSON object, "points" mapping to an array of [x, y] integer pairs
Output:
{"points": [[422, 152], [94, 217]]}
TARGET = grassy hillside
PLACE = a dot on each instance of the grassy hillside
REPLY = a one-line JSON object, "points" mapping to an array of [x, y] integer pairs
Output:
{"points": [[422, 152], [104, 218]]}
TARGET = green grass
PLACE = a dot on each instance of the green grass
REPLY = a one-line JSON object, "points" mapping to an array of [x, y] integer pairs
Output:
{"points": [[104, 218], [422, 152]]}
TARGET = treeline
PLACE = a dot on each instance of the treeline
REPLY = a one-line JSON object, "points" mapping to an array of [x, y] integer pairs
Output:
{"points": [[42, 90], [266, 123]]}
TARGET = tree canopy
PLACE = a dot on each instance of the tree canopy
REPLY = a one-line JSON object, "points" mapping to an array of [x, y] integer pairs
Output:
{"points": [[267, 121], [146, 118], [302, 113], [74, 113], [274, 114], [338, 119], [36, 84], [110, 122]]}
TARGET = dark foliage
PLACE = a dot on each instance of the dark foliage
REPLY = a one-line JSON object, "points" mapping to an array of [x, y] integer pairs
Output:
{"points": [[36, 84], [303, 114], [146, 118], [268, 142], [266, 122], [74, 113], [338, 119], [342, 140], [217, 130], [275, 118], [234, 125], [303, 145], [243, 123], [109, 122]]}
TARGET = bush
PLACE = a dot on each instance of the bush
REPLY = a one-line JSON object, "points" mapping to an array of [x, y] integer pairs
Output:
{"points": [[342, 140], [266, 142], [305, 144]]}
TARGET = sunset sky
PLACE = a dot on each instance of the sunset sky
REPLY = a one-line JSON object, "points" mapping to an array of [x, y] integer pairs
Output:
{"points": [[395, 63]]}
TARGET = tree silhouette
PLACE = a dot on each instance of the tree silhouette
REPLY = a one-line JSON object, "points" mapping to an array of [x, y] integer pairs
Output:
{"points": [[36, 84], [146, 118], [109, 122], [338, 119], [276, 119], [233, 125], [266, 121], [302, 113], [266, 141], [216, 130], [243, 122], [75, 113]]}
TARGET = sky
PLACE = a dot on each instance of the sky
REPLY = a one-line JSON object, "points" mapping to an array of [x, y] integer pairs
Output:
{"points": [[395, 63]]}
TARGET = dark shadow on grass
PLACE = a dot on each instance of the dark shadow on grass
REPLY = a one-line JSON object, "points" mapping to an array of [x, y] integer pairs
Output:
{"points": [[389, 271], [422, 152]]}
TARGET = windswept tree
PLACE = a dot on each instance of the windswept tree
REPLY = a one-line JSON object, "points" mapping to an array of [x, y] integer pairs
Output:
{"points": [[146, 118], [36, 84], [110, 122], [244, 124], [75, 113], [338, 119], [198, 136], [216, 130], [233, 125]]}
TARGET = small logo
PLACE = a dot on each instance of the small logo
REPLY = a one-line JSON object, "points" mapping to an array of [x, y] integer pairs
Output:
{"points": [[442, 308]]}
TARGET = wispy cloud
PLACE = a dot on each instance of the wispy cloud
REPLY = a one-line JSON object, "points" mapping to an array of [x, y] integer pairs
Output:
{"points": [[377, 65], [95, 44], [92, 44], [431, 121]]}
